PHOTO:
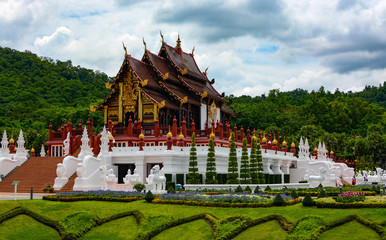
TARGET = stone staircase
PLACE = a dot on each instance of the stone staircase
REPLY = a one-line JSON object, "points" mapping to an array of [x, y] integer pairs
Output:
{"points": [[69, 185], [36, 172]]}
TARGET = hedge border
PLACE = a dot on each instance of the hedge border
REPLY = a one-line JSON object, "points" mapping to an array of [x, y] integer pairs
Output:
{"points": [[91, 198]]}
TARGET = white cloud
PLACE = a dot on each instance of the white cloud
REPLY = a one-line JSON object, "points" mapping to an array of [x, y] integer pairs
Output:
{"points": [[337, 44]]}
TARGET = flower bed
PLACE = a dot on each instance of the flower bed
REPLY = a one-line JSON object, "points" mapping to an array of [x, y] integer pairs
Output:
{"points": [[350, 196], [369, 202], [96, 196]]}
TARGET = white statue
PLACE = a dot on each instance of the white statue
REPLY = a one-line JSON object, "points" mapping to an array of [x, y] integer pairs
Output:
{"points": [[42, 151], [4, 146], [85, 148], [110, 177], [103, 171], [156, 183], [66, 144], [316, 180]]}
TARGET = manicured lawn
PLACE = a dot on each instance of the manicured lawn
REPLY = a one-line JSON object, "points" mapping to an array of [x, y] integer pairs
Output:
{"points": [[24, 227], [194, 230], [124, 228], [77, 216], [269, 230], [351, 230]]}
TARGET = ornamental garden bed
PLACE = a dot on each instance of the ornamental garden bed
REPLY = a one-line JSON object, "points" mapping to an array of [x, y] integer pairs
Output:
{"points": [[115, 196], [369, 202], [223, 200]]}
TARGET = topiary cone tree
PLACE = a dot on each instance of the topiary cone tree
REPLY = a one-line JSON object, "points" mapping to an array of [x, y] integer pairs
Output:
{"points": [[193, 175], [253, 168], [233, 170], [245, 174], [260, 167], [211, 173]]}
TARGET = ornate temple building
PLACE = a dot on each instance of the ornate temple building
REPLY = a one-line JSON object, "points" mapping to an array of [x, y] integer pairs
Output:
{"points": [[163, 86]]}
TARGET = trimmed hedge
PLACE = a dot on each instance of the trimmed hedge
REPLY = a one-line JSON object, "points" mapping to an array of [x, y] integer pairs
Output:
{"points": [[307, 201]]}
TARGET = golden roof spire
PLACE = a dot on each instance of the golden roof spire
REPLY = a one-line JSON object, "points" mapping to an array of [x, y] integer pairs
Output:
{"points": [[178, 42], [169, 135], [193, 50]]}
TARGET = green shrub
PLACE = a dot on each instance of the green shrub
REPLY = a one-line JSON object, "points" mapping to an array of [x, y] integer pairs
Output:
{"points": [[303, 181], [248, 189], [322, 194], [170, 184], [294, 194], [239, 189], [307, 201], [278, 200], [171, 190], [139, 187], [257, 189], [48, 188], [149, 197], [268, 188], [320, 186]]}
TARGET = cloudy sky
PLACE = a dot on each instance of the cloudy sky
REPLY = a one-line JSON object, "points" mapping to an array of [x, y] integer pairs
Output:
{"points": [[250, 46]]}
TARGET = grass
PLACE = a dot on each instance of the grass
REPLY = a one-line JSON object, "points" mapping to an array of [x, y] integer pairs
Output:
{"points": [[22, 226], [269, 230], [124, 228], [194, 230], [76, 217], [352, 230]]}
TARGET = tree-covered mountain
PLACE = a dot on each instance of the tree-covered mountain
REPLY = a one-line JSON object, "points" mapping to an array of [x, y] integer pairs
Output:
{"points": [[351, 124], [35, 91]]}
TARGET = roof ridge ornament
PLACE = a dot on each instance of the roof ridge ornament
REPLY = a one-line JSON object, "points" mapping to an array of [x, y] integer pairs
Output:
{"points": [[162, 36], [194, 47], [124, 48], [144, 43]]}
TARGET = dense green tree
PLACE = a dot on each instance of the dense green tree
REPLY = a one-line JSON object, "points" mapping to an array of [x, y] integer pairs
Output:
{"points": [[193, 175], [211, 174], [233, 170], [245, 175]]}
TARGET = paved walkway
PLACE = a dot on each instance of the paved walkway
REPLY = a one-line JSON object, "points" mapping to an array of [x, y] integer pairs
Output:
{"points": [[19, 196]]}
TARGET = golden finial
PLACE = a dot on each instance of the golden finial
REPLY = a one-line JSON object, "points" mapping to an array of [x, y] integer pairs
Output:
{"points": [[111, 137], [141, 136], [212, 135], [144, 43], [11, 140], [124, 48], [293, 143], [169, 135], [181, 136], [193, 50], [284, 143], [274, 141], [178, 42], [332, 152], [32, 150]]}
